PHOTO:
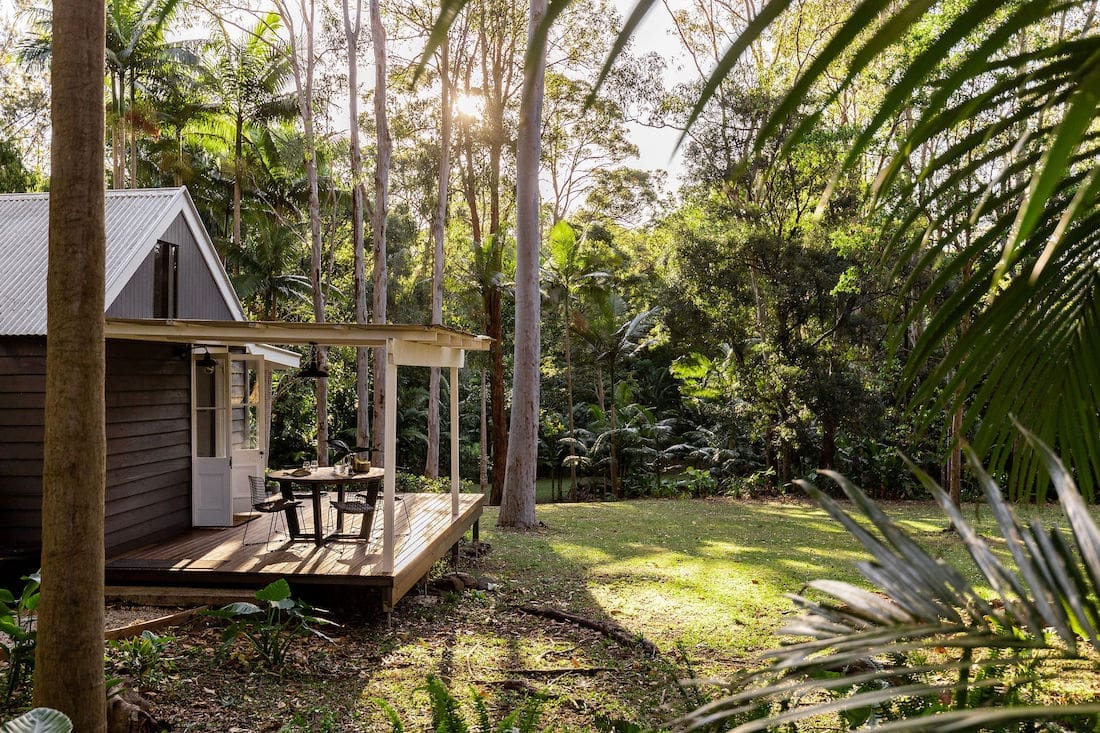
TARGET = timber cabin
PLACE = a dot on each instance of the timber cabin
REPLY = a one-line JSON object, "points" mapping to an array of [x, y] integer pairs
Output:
{"points": [[182, 437]]}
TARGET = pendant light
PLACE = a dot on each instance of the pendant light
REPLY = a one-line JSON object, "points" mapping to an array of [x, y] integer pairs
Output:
{"points": [[314, 370], [207, 363]]}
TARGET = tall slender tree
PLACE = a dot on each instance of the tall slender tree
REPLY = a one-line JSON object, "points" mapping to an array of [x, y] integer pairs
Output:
{"points": [[566, 270], [380, 213], [517, 507], [69, 655], [304, 62], [352, 27], [439, 223]]}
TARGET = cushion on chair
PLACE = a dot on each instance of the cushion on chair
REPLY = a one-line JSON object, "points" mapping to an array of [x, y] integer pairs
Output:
{"points": [[353, 507], [276, 504]]}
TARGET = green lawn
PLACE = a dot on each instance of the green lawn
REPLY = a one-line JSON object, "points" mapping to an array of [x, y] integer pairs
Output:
{"points": [[711, 573], [701, 578]]}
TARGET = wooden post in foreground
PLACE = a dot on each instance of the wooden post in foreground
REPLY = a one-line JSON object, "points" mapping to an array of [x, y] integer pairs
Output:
{"points": [[389, 486], [454, 441]]}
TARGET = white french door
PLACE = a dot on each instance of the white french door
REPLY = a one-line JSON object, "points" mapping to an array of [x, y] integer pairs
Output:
{"points": [[211, 457], [248, 432]]}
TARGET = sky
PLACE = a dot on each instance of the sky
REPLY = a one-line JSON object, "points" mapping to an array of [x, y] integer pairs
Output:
{"points": [[657, 146]]}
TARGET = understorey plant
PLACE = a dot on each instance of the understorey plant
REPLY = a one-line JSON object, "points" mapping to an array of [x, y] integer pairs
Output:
{"points": [[18, 634], [926, 650], [142, 656], [272, 624]]}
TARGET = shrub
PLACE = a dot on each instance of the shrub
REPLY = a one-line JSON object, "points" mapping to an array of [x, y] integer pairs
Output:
{"points": [[17, 622], [272, 626], [142, 655]]}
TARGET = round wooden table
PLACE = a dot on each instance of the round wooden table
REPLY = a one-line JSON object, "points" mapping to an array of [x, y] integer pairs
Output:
{"points": [[318, 480]]}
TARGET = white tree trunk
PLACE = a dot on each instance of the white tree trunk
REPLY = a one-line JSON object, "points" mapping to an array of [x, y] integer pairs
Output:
{"points": [[352, 27], [378, 217], [303, 68], [517, 507], [439, 223]]}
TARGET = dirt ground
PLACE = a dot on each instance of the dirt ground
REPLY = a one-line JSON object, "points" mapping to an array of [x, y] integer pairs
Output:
{"points": [[480, 643]]}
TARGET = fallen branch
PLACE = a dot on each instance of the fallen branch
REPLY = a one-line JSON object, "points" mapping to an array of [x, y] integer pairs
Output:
{"points": [[607, 628], [157, 624], [559, 671], [527, 688]]}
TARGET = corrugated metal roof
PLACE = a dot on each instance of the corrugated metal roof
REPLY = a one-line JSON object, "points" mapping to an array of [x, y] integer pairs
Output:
{"points": [[132, 220]]}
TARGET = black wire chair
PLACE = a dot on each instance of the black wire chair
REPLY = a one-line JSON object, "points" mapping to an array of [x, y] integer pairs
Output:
{"points": [[265, 503]]}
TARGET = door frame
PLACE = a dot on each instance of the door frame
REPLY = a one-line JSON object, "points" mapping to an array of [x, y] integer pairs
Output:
{"points": [[204, 469], [239, 488]]}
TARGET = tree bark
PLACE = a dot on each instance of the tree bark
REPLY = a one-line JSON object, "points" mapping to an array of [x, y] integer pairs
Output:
{"points": [[483, 473], [497, 413], [303, 83], [69, 655], [352, 29], [439, 222], [378, 218], [517, 508]]}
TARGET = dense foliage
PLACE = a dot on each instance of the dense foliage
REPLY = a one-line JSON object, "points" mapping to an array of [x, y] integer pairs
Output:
{"points": [[730, 337]]}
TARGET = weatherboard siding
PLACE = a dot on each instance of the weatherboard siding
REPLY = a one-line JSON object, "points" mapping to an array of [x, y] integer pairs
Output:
{"points": [[199, 296], [148, 417]]}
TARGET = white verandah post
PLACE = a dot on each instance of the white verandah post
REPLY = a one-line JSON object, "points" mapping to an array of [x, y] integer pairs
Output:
{"points": [[454, 441], [389, 484]]}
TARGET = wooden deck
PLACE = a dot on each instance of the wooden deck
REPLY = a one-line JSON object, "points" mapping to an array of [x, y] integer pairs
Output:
{"points": [[217, 557]]}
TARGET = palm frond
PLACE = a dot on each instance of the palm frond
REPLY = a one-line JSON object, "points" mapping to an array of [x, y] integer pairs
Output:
{"points": [[925, 634]]}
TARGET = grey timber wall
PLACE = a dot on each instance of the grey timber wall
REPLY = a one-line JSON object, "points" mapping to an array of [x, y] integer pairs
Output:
{"points": [[199, 296], [22, 412], [148, 399]]}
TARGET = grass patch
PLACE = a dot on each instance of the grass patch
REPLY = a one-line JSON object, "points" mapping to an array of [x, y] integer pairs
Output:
{"points": [[707, 577]]}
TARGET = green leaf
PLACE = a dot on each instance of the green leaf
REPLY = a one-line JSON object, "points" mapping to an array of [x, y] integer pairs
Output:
{"points": [[276, 591], [39, 720], [1076, 121]]}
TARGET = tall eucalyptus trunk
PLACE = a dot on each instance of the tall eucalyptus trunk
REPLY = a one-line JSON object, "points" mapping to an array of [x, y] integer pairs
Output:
{"points": [[352, 28], [68, 672], [439, 223], [517, 508], [303, 65], [378, 216]]}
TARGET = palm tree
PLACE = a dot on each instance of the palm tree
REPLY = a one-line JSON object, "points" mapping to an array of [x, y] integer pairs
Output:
{"points": [[613, 336], [135, 43], [246, 77], [264, 268], [135, 47], [566, 272]]}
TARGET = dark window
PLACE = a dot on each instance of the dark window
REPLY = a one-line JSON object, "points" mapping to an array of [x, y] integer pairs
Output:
{"points": [[166, 279]]}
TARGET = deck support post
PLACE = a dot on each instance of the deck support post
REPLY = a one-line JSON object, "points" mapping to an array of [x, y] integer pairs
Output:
{"points": [[454, 441], [389, 484]]}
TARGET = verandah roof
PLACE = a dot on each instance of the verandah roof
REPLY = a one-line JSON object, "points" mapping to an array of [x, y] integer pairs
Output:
{"points": [[422, 342]]}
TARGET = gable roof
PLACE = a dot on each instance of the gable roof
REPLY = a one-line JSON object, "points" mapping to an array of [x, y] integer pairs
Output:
{"points": [[135, 220]]}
